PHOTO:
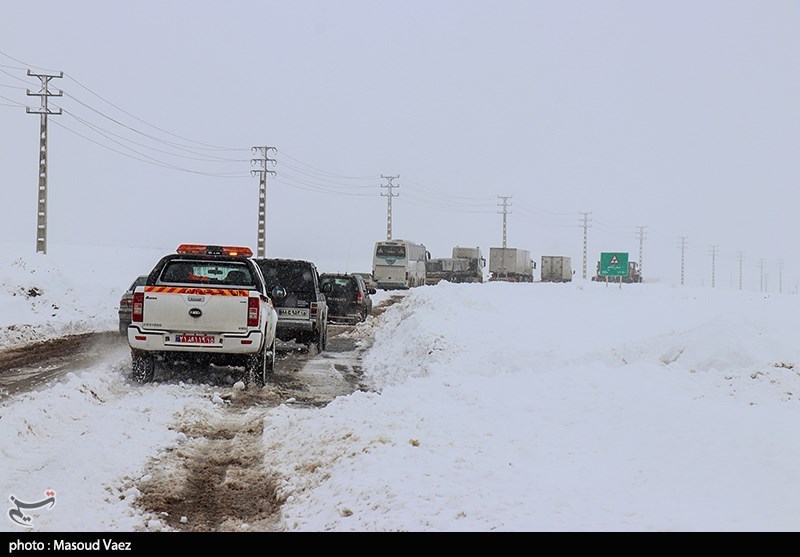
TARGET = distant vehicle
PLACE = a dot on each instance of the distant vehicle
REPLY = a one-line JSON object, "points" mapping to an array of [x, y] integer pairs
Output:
{"points": [[634, 276], [510, 265], [207, 304], [556, 268], [475, 264], [368, 280], [125, 303], [300, 301], [399, 264], [348, 297], [445, 269]]}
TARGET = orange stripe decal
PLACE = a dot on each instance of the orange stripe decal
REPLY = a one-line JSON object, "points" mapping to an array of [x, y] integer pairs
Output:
{"points": [[197, 291]]}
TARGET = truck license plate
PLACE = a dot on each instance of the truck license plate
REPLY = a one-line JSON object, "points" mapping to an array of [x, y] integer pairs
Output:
{"points": [[195, 339]]}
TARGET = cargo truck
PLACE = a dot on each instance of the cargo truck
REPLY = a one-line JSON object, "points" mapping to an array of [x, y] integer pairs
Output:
{"points": [[634, 276], [475, 264], [556, 268], [445, 268], [510, 265]]}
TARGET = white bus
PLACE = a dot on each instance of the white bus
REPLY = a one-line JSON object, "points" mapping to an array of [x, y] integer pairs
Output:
{"points": [[399, 264]]}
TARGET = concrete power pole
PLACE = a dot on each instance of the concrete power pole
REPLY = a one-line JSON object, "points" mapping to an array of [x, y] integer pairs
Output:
{"points": [[505, 205], [43, 111], [389, 185], [713, 265], [683, 254], [262, 161], [586, 226], [641, 243], [741, 260], [761, 269]]}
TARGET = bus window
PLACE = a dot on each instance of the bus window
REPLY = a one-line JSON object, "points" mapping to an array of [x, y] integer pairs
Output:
{"points": [[390, 251]]}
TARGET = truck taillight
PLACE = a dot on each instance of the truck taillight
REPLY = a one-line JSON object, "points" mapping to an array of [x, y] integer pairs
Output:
{"points": [[252, 312], [137, 307], [314, 309]]}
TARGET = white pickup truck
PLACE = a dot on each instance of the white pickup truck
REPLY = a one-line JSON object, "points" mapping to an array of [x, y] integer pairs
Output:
{"points": [[207, 304]]}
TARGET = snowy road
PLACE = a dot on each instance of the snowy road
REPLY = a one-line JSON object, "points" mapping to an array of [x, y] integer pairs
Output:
{"points": [[106, 444]]}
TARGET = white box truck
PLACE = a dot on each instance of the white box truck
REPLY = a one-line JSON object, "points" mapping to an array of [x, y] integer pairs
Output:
{"points": [[556, 268], [510, 265]]}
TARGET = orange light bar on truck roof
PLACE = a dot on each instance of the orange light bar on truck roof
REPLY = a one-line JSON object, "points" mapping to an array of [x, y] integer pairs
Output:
{"points": [[202, 249]]}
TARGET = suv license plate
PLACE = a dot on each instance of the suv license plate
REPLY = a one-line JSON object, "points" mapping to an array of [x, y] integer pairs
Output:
{"points": [[294, 312], [195, 339]]}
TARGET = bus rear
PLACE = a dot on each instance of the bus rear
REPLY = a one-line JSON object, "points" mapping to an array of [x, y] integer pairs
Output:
{"points": [[390, 265]]}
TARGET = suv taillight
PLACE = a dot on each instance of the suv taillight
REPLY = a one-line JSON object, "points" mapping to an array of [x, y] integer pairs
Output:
{"points": [[314, 309], [359, 298], [252, 312], [137, 307]]}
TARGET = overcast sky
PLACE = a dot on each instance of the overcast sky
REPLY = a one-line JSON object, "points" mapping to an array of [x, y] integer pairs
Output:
{"points": [[679, 116]]}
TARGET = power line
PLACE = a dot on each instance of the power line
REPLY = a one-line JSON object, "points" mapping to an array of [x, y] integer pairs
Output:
{"points": [[201, 145], [105, 133], [153, 161]]}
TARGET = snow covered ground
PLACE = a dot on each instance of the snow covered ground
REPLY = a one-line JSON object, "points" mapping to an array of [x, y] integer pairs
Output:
{"points": [[493, 407]]}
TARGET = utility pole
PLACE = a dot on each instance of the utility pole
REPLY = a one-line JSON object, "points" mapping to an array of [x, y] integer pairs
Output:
{"points": [[585, 239], [44, 110], [262, 161], [761, 267], [713, 265], [741, 259], [683, 253], [641, 243], [389, 185], [505, 205]]}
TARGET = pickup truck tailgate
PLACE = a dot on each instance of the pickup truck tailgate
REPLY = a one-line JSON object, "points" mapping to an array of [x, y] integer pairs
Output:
{"points": [[195, 309]]}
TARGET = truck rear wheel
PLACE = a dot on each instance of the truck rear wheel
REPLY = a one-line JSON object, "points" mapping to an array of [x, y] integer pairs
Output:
{"points": [[259, 367], [143, 366]]}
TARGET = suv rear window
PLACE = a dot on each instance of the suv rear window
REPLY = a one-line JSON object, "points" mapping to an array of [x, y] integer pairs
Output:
{"points": [[339, 283], [294, 277]]}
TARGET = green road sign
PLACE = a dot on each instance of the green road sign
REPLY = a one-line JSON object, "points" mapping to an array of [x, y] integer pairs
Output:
{"points": [[613, 264]]}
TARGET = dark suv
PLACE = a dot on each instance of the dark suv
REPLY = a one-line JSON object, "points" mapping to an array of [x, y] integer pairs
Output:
{"points": [[348, 297], [302, 309], [125, 304]]}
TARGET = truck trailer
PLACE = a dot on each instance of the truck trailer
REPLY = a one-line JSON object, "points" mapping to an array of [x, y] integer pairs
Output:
{"points": [[445, 268], [556, 268], [510, 265]]}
